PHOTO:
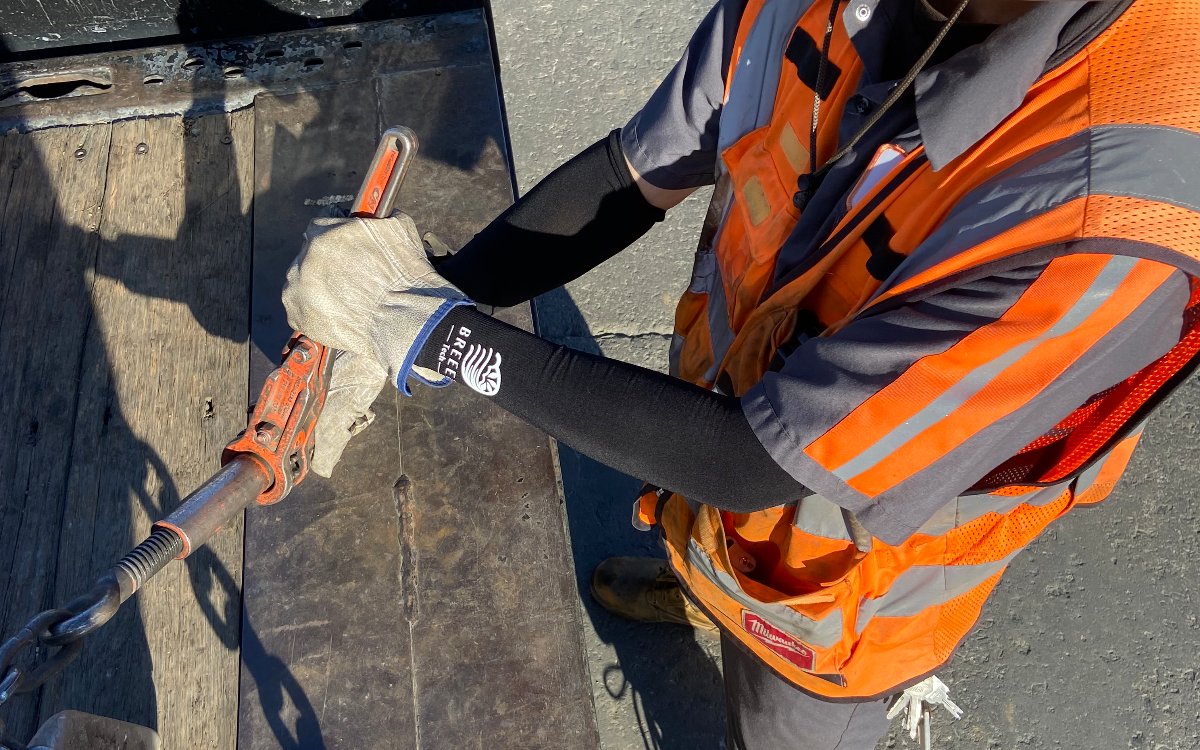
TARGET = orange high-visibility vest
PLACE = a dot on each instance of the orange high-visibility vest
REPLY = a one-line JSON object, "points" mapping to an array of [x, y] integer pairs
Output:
{"points": [[837, 613]]}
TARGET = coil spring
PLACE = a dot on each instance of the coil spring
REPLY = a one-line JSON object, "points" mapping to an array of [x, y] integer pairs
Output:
{"points": [[149, 557]]}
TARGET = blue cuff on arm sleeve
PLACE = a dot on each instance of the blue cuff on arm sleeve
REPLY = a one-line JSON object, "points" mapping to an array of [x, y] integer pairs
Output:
{"points": [[406, 369]]}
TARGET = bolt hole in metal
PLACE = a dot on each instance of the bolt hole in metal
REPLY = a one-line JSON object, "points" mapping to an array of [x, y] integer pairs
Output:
{"points": [[352, 45], [273, 53], [58, 86], [153, 80], [193, 63], [234, 71], [313, 62]]}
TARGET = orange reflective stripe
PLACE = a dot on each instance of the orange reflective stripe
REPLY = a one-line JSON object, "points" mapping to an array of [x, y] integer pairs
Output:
{"points": [[1037, 345], [1141, 220], [1036, 312], [1056, 225]]}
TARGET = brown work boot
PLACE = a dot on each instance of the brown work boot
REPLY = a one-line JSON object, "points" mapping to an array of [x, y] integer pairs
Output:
{"points": [[645, 589]]}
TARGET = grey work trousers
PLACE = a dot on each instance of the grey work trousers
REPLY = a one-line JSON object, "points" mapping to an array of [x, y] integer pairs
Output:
{"points": [[766, 713]]}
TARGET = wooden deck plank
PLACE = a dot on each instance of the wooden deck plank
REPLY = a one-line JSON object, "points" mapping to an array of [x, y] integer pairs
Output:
{"points": [[325, 642], [448, 600], [50, 244], [497, 648], [156, 386]]}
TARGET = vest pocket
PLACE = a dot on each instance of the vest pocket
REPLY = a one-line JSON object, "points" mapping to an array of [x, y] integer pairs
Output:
{"points": [[803, 629]]}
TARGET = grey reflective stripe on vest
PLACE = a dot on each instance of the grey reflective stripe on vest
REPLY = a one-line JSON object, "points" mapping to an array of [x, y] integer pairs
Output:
{"points": [[924, 586], [706, 279], [963, 510], [756, 78], [821, 633], [1088, 478], [821, 517], [720, 334], [1143, 161], [1101, 288], [1092, 473]]}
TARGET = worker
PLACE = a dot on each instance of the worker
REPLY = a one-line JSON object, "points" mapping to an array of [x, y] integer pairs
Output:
{"points": [[949, 268]]}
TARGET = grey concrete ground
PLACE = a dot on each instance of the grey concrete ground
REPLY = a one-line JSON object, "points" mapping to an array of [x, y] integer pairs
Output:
{"points": [[573, 71], [1090, 641]]}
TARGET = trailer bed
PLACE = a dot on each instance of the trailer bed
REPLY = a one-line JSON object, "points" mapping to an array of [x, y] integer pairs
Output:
{"points": [[424, 596]]}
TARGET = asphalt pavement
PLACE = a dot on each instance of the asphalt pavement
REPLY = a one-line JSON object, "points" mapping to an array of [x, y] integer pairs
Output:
{"points": [[1090, 641]]}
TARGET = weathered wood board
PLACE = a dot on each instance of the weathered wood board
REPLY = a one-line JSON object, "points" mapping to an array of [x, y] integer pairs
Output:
{"points": [[425, 593], [422, 597], [125, 252]]}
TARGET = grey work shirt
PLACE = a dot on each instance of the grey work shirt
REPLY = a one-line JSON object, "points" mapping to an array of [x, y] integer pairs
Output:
{"points": [[674, 143]]}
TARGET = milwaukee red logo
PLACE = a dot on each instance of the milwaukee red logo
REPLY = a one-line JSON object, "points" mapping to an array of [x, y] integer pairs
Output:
{"points": [[783, 644]]}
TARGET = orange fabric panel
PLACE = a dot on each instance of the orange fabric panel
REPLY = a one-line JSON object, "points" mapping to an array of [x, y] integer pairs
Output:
{"points": [[997, 536], [828, 289], [1114, 467], [793, 96], [691, 323], [892, 649], [1020, 383], [750, 354], [759, 526], [761, 173], [1144, 67], [1037, 310], [1144, 220], [751, 11], [957, 616], [647, 507], [1056, 225]]}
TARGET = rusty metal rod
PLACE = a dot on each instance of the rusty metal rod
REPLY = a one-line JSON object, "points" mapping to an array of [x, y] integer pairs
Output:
{"points": [[198, 517], [230, 491]]}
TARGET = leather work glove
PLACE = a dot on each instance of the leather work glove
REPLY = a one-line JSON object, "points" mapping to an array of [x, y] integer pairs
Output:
{"points": [[365, 287], [354, 385], [930, 692]]}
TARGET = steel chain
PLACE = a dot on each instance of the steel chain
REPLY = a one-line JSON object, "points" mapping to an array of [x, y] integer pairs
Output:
{"points": [[38, 633]]}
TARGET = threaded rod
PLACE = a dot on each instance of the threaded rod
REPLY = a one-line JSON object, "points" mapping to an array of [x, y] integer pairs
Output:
{"points": [[151, 556]]}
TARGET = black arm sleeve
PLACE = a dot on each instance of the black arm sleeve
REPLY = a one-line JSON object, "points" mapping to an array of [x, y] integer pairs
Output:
{"points": [[579, 216], [651, 426]]}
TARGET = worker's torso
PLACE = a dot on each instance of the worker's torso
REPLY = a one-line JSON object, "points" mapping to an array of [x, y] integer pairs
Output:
{"points": [[805, 587]]}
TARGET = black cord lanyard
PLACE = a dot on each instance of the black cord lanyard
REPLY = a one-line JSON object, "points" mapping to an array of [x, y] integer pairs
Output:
{"points": [[807, 184]]}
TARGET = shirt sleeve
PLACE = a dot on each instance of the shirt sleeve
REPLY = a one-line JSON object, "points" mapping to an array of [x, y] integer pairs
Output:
{"points": [[672, 141], [898, 413]]}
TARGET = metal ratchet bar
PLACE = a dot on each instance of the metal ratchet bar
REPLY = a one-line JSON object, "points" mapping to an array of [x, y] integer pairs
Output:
{"points": [[377, 196], [244, 478]]}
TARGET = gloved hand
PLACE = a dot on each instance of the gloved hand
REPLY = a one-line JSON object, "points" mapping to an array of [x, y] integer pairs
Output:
{"points": [[365, 287], [932, 692], [354, 385]]}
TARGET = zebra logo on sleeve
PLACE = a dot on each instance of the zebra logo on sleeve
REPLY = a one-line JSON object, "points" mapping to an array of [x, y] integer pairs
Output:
{"points": [[481, 369]]}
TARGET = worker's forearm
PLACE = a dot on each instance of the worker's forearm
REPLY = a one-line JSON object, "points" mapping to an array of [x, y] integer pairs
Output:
{"points": [[651, 426], [577, 217]]}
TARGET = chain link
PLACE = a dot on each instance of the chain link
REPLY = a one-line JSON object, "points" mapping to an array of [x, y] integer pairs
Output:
{"points": [[40, 633]]}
